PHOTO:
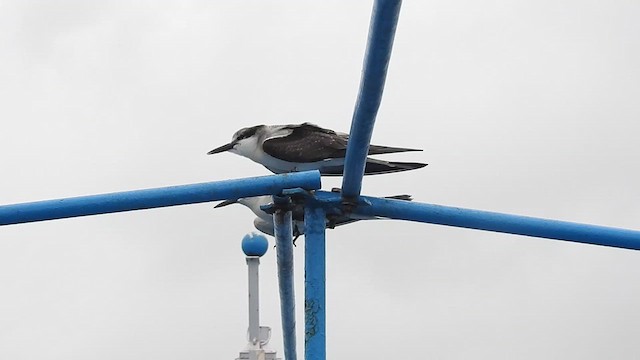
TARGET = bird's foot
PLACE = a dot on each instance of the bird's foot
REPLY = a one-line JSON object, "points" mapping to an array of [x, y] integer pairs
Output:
{"points": [[294, 240]]}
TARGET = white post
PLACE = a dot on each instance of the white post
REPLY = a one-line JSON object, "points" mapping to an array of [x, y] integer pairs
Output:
{"points": [[254, 299], [254, 246]]}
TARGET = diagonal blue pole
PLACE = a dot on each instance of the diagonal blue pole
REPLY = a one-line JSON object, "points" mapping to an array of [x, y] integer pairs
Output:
{"points": [[314, 282], [158, 197], [382, 29], [493, 221], [284, 252]]}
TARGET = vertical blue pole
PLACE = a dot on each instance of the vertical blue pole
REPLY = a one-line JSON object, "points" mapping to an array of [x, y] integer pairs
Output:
{"points": [[284, 252], [314, 283], [382, 30]]}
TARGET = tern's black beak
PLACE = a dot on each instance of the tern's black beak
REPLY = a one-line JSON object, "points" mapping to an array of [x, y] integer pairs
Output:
{"points": [[225, 203], [222, 148]]}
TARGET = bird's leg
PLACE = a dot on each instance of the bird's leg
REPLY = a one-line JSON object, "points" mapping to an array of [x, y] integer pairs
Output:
{"points": [[294, 240], [296, 234]]}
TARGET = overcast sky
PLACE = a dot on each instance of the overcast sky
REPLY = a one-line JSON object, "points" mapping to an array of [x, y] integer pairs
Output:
{"points": [[526, 107]]}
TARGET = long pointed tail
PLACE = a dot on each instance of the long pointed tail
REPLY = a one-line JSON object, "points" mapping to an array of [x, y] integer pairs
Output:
{"points": [[375, 167], [390, 167], [377, 149]]}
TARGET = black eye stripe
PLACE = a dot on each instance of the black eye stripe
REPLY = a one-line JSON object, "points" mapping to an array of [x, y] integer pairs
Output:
{"points": [[247, 132]]}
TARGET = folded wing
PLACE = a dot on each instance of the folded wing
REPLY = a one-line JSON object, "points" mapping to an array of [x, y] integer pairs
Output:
{"points": [[311, 143]]}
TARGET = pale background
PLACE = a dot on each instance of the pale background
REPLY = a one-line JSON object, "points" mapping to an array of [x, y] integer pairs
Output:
{"points": [[527, 107]]}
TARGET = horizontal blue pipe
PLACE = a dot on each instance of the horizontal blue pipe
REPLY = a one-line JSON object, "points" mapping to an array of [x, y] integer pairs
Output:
{"points": [[493, 221], [382, 29], [158, 197]]}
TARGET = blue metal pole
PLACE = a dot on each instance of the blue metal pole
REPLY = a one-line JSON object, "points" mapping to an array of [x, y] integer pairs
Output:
{"points": [[314, 282], [284, 250], [158, 197], [382, 29], [493, 221]]}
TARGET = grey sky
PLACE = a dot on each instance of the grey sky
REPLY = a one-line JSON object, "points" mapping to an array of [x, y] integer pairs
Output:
{"points": [[527, 107]]}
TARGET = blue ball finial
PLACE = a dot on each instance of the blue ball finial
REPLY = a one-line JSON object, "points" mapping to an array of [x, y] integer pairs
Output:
{"points": [[254, 244]]}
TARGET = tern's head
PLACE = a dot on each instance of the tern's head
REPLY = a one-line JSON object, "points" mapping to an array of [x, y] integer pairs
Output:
{"points": [[244, 141]]}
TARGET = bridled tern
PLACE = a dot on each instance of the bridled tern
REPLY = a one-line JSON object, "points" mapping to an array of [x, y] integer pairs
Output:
{"points": [[264, 221], [290, 148]]}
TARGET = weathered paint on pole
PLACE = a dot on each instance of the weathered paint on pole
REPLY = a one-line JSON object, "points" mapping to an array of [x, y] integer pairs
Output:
{"points": [[314, 282], [284, 252], [158, 197], [382, 30], [493, 221]]}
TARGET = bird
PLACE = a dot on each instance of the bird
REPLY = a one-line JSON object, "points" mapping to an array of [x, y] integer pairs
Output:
{"points": [[264, 221], [302, 147]]}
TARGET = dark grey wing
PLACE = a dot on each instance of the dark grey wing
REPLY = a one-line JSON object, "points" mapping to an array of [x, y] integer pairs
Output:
{"points": [[307, 143]]}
